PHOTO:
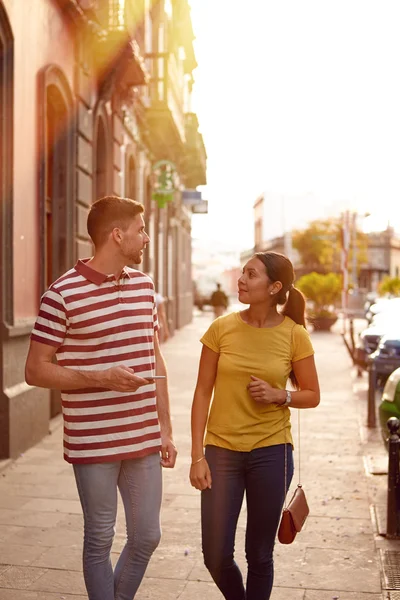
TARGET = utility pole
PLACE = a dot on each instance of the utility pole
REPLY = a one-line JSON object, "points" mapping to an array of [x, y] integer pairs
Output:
{"points": [[354, 244], [344, 265]]}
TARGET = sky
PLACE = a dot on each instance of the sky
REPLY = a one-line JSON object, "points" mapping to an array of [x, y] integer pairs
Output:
{"points": [[299, 99]]}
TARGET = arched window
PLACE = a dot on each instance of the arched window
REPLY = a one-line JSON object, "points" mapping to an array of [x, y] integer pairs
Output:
{"points": [[6, 167], [102, 155], [56, 175]]}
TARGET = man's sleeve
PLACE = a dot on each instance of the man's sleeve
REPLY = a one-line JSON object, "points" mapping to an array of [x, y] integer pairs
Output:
{"points": [[51, 324]]}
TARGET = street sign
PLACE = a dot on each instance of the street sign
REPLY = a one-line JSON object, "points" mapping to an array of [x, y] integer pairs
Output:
{"points": [[201, 207], [191, 197]]}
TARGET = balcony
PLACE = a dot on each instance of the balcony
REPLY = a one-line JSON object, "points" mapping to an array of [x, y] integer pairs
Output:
{"points": [[119, 51], [164, 113], [195, 164]]}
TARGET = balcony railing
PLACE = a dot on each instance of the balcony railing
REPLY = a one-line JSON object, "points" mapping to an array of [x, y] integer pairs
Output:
{"points": [[122, 45], [166, 95]]}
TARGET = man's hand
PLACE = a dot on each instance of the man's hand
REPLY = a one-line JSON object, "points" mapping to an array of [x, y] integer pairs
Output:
{"points": [[121, 379], [168, 452]]}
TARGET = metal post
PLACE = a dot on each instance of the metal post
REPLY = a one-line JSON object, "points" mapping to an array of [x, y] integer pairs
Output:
{"points": [[344, 265], [371, 419], [354, 261], [393, 497], [351, 329]]}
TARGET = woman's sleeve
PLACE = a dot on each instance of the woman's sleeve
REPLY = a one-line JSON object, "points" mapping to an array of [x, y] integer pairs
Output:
{"points": [[302, 346], [211, 338]]}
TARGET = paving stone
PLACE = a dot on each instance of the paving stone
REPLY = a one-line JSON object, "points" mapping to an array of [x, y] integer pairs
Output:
{"points": [[68, 558], [348, 570], [53, 536], [7, 531], [184, 515], [195, 590], [185, 501], [287, 594], [327, 532], [54, 580], [321, 595], [172, 565], [53, 505], [13, 502], [14, 477], [20, 578], [23, 595], [19, 554], [160, 589], [29, 519], [23, 466]]}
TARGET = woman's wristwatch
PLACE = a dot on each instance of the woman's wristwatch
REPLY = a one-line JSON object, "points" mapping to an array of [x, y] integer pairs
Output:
{"points": [[288, 398]]}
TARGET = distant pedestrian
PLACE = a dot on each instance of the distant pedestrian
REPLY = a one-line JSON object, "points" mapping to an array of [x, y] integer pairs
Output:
{"points": [[100, 322], [246, 361], [162, 317], [219, 301]]}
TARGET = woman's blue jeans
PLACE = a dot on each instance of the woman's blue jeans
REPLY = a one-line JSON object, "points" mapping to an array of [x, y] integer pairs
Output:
{"points": [[261, 474], [139, 481]]}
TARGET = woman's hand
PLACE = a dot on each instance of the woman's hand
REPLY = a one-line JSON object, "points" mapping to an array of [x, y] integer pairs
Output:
{"points": [[200, 475], [261, 391]]}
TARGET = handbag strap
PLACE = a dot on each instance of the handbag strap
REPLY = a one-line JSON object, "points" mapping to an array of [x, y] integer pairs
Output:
{"points": [[299, 461], [298, 441]]}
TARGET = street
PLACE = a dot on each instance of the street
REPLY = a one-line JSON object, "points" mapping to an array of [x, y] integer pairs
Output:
{"points": [[336, 556]]}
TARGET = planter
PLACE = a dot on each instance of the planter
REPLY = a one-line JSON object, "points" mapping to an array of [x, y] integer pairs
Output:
{"points": [[323, 323]]}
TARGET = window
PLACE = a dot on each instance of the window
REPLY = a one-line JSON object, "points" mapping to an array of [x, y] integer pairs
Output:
{"points": [[101, 162], [102, 154], [6, 166], [56, 124]]}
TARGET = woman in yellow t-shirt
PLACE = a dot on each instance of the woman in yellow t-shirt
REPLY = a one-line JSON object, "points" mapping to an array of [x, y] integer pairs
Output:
{"points": [[246, 361]]}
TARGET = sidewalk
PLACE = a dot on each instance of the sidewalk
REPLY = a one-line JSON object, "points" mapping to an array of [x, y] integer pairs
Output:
{"points": [[335, 557]]}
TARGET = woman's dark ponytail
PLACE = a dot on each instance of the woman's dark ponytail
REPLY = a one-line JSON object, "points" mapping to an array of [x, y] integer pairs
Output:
{"points": [[295, 306]]}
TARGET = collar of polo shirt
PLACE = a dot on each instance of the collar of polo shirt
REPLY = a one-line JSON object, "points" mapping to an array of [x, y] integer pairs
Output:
{"points": [[95, 276]]}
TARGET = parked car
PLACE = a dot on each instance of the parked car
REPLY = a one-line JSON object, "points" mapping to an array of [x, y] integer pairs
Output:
{"points": [[369, 338], [389, 405], [386, 357], [383, 306]]}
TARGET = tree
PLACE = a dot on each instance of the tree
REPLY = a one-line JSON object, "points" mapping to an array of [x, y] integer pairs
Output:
{"points": [[320, 246], [323, 289], [389, 285]]}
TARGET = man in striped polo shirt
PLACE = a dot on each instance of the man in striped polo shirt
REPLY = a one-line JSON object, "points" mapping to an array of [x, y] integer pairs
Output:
{"points": [[100, 322]]}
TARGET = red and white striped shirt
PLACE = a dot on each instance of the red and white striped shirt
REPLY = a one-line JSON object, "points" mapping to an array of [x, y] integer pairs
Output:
{"points": [[96, 323]]}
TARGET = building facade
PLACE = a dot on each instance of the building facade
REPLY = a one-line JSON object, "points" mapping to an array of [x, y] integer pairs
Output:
{"points": [[382, 252], [95, 100]]}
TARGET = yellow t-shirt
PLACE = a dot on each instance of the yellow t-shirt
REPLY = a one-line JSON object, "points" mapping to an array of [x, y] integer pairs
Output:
{"points": [[236, 421]]}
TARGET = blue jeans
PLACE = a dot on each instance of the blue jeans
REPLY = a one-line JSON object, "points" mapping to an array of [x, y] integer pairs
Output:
{"points": [[261, 474], [139, 481]]}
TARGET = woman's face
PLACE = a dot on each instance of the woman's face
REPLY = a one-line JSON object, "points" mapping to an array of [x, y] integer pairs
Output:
{"points": [[254, 285]]}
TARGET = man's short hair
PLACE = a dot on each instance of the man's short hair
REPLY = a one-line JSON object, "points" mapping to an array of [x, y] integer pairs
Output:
{"points": [[109, 212]]}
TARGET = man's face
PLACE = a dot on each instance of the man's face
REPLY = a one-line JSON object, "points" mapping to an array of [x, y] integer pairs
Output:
{"points": [[133, 241]]}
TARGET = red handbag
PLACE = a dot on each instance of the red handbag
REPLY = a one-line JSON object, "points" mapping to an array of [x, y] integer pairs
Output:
{"points": [[295, 513], [293, 517]]}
